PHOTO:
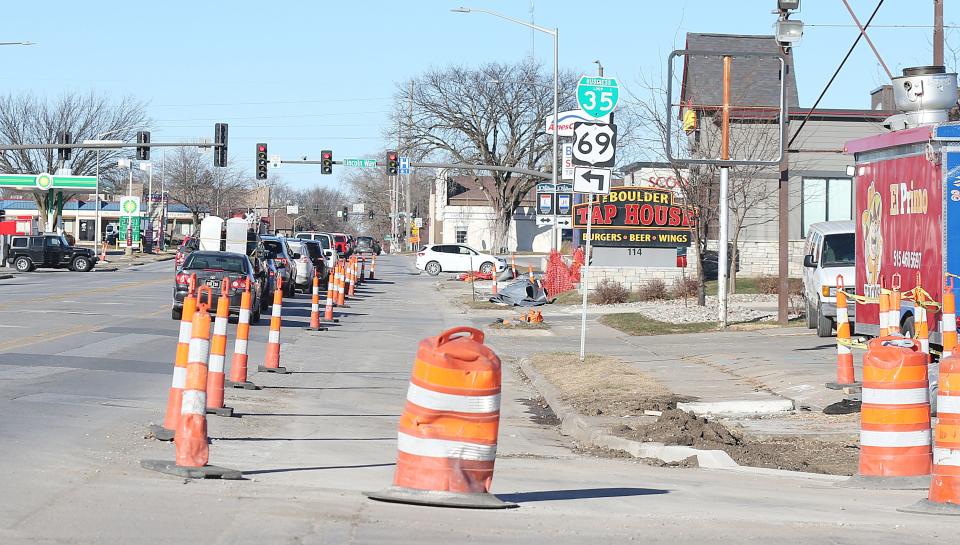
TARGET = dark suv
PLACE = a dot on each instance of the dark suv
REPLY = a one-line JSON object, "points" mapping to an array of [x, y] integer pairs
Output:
{"points": [[51, 250]]}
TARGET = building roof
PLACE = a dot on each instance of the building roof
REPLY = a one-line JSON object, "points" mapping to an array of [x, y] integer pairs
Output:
{"points": [[466, 191], [754, 81], [72, 205]]}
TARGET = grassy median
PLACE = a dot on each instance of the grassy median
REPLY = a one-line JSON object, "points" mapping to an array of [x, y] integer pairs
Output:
{"points": [[634, 323]]}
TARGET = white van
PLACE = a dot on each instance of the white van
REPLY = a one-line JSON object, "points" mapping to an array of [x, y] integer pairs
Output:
{"points": [[829, 252]]}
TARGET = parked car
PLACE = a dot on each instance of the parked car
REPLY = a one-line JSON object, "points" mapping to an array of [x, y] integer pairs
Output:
{"points": [[341, 244], [278, 252], [29, 252], [326, 243], [188, 245], [315, 250], [829, 252], [212, 268], [436, 258], [303, 275]]}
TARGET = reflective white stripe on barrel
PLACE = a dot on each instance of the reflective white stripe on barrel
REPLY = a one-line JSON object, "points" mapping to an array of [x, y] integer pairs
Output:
{"points": [[216, 363], [948, 404], [442, 448], [949, 322], [428, 399], [276, 311], [870, 438], [186, 328], [179, 377], [240, 346], [946, 456], [895, 397], [198, 350], [194, 402], [274, 336], [220, 326], [244, 316]]}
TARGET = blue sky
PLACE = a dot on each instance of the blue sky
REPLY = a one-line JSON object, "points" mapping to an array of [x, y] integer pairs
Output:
{"points": [[311, 75]]}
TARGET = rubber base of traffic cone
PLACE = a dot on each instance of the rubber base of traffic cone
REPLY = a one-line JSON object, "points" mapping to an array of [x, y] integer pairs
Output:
{"points": [[242, 385], [838, 386], [435, 498], [205, 472], [846, 406], [278, 370], [222, 411], [160, 433], [927, 507], [869, 482], [321, 328]]}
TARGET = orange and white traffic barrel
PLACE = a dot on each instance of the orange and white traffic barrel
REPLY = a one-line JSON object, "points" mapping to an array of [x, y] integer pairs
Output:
{"points": [[447, 437], [238, 365], [175, 395], [271, 362], [315, 305], [218, 355], [192, 443], [895, 449], [944, 494]]}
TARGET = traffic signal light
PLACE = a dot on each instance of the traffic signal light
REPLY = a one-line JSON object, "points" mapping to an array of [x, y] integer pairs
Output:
{"points": [[220, 145], [261, 161], [346, 213], [143, 152], [392, 163], [63, 154], [326, 162], [370, 214]]}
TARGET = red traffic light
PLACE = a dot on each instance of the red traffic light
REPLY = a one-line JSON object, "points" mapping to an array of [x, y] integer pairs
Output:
{"points": [[325, 155], [261, 147], [391, 156]]}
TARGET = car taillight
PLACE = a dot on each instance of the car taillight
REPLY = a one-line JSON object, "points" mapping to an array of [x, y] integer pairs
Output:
{"points": [[239, 283], [421, 254], [182, 278]]}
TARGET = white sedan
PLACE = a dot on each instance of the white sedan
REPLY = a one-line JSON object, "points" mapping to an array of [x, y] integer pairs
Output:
{"points": [[457, 258]]}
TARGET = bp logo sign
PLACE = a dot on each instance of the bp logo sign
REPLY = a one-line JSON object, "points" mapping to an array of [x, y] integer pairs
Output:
{"points": [[130, 206], [44, 181]]}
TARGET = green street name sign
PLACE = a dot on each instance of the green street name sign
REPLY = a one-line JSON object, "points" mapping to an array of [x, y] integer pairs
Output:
{"points": [[362, 163], [47, 181], [598, 96]]}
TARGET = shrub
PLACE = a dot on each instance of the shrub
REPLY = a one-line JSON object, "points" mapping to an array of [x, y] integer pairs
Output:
{"points": [[653, 290], [610, 292], [771, 285], [685, 287]]}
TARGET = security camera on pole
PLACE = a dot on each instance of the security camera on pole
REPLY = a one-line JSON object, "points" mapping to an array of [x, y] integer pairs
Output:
{"points": [[594, 155]]}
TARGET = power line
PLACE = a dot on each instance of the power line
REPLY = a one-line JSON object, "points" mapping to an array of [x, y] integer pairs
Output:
{"points": [[834, 76], [847, 25]]}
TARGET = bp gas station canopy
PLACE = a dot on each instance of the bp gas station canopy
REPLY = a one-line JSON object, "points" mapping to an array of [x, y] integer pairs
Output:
{"points": [[46, 181]]}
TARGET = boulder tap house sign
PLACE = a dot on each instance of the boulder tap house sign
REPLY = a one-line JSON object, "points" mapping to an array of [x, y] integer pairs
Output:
{"points": [[636, 217]]}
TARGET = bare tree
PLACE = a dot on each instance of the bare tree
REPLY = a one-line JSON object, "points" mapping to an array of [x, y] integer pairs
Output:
{"points": [[25, 119], [195, 183], [492, 115], [371, 188]]}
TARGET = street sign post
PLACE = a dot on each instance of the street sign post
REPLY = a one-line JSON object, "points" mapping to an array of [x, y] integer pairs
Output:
{"points": [[597, 96], [362, 163]]}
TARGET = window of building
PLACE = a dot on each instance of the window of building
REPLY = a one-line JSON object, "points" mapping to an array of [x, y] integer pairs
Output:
{"points": [[826, 199], [461, 236]]}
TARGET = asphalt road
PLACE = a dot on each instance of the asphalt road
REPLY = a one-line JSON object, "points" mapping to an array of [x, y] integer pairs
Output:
{"points": [[85, 364]]}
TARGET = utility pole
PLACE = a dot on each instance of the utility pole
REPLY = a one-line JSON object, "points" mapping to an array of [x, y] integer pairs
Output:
{"points": [[409, 152], [938, 32]]}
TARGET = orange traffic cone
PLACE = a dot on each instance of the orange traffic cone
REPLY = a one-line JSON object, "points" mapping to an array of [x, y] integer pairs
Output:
{"points": [[238, 367], [331, 294], [175, 396], [373, 267], [315, 305], [271, 362], [341, 286], [351, 276], [447, 438], [845, 373], [192, 443], [948, 320], [218, 356]]}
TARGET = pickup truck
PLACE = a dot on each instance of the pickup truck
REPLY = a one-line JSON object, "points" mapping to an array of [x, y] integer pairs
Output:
{"points": [[28, 252]]}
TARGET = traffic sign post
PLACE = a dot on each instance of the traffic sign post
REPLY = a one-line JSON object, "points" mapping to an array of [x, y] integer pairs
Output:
{"points": [[597, 96], [592, 181]]}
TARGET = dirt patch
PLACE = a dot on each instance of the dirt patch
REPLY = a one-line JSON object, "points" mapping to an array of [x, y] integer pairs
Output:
{"points": [[540, 412], [604, 386], [676, 427]]}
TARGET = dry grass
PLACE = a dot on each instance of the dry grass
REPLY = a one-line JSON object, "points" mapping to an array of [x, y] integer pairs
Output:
{"points": [[602, 385]]}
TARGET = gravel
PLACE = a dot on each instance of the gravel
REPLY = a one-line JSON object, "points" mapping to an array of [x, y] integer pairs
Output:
{"points": [[740, 308]]}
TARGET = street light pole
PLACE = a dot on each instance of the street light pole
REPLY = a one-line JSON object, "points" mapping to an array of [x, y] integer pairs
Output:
{"points": [[555, 32]]}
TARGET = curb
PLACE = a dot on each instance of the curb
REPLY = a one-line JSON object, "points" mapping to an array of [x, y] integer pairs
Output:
{"points": [[575, 425]]}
